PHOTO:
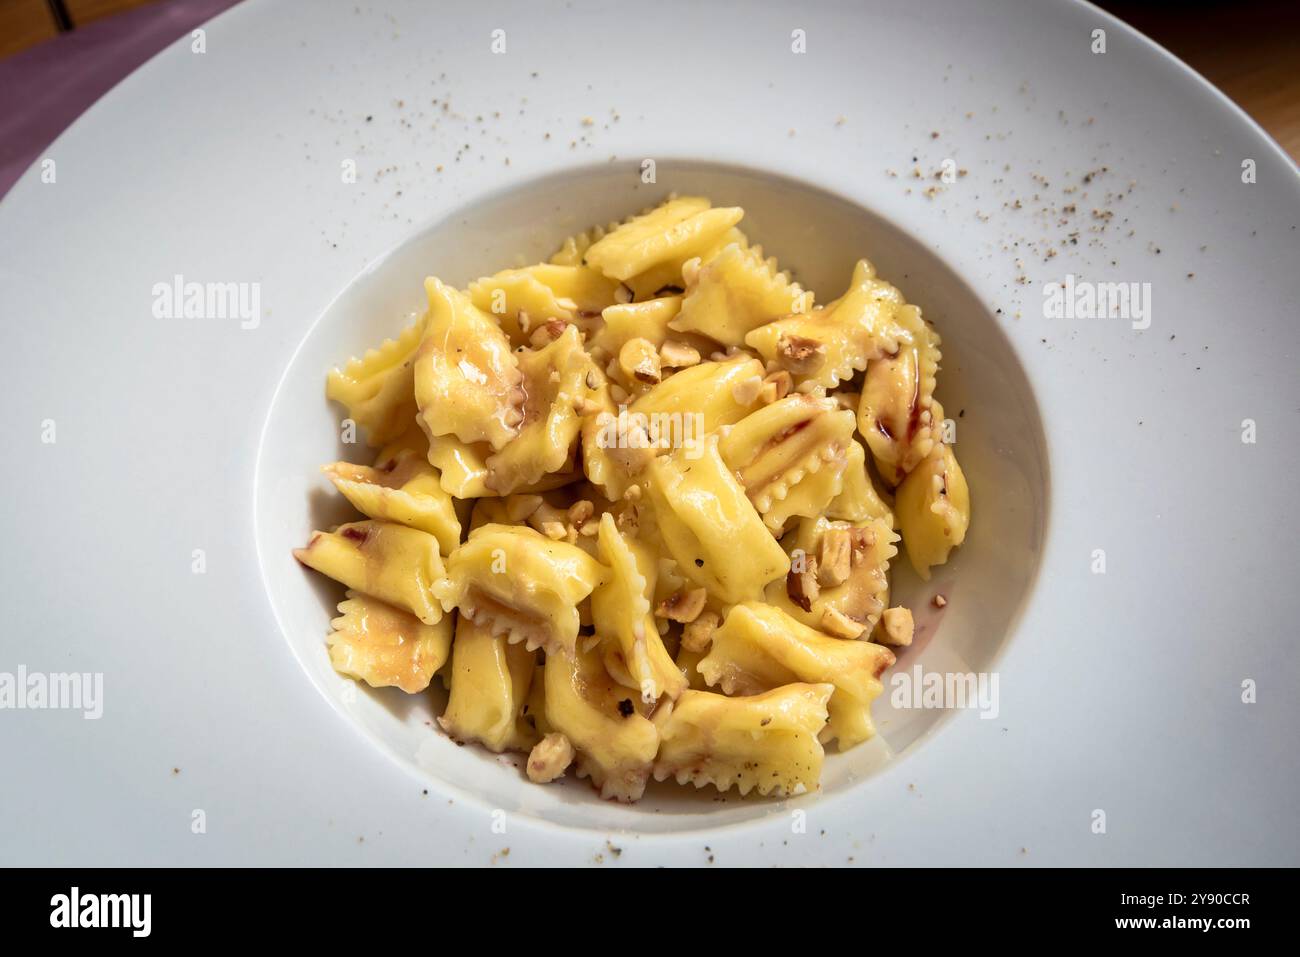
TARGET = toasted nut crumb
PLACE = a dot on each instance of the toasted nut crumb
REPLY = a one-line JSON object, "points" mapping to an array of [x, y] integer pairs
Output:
{"points": [[698, 634], [585, 406], [547, 333], [683, 606], [861, 541], [776, 386], [617, 393], [836, 557], [801, 355], [519, 507], [568, 305], [549, 758], [629, 520], [802, 586], [939, 601], [525, 321], [580, 511], [555, 530], [896, 626], [678, 355], [640, 360], [633, 493], [631, 460], [746, 391], [835, 622], [623, 294]]}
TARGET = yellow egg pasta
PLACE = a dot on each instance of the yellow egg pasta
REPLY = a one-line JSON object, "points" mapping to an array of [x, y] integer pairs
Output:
{"points": [[766, 742], [386, 646], [514, 581], [490, 684], [759, 648], [637, 507]]}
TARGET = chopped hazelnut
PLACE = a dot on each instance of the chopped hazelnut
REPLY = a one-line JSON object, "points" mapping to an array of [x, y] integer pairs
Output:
{"points": [[623, 294], [640, 360], [746, 391], [698, 634], [802, 586], [861, 541], [683, 605], [629, 520], [836, 556], [801, 355], [580, 511], [896, 626], [555, 530], [678, 355], [549, 758], [835, 622], [547, 333], [939, 601], [776, 386]]}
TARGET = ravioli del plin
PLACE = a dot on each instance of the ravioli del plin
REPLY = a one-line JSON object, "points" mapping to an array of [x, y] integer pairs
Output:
{"points": [[700, 593]]}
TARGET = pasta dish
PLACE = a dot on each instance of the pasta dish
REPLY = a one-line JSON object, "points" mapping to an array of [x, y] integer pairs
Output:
{"points": [[635, 507]]}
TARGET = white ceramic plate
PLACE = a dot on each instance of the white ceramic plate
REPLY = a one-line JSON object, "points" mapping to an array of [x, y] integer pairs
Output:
{"points": [[1119, 693]]}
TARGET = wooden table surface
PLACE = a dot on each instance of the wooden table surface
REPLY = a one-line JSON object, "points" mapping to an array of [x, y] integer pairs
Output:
{"points": [[1250, 49]]}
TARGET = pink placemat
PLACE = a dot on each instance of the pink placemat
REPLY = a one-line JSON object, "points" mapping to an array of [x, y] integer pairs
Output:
{"points": [[42, 90]]}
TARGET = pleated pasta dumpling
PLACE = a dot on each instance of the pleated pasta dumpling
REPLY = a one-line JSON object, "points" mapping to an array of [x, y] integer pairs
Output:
{"points": [[765, 742], [829, 345], [573, 250], [391, 562], [614, 452], [467, 379], [899, 417], [616, 743], [514, 581], [554, 385], [711, 394], [385, 646], [490, 684], [933, 506], [524, 299], [463, 470], [782, 450], [710, 528], [859, 500], [672, 233], [621, 612], [378, 389], [759, 648], [401, 487], [623, 322], [839, 575], [734, 293]]}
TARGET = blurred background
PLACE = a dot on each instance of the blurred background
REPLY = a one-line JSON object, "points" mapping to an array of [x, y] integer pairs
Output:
{"points": [[58, 56]]}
